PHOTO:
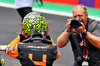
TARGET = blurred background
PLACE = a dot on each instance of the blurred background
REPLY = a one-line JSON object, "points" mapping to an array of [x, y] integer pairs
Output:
{"points": [[61, 7], [55, 11]]}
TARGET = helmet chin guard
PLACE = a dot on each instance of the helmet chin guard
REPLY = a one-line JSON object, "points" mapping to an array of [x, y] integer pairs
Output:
{"points": [[37, 36]]}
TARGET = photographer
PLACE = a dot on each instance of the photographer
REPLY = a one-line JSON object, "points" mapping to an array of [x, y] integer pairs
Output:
{"points": [[84, 38]]}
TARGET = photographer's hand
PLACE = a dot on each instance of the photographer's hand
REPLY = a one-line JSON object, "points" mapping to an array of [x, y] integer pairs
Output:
{"points": [[68, 28], [80, 29]]}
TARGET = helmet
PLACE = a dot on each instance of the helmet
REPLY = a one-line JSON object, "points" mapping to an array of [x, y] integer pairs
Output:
{"points": [[34, 20]]}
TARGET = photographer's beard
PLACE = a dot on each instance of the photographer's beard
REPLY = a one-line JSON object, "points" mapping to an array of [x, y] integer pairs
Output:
{"points": [[85, 21]]}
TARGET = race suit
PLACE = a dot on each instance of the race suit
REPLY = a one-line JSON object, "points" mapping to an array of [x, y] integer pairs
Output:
{"points": [[33, 53]]}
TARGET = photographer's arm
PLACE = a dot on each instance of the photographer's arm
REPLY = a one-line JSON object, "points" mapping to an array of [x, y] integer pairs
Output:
{"points": [[94, 40], [63, 39]]}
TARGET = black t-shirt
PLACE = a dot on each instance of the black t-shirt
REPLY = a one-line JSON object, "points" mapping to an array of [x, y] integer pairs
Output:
{"points": [[46, 40]]}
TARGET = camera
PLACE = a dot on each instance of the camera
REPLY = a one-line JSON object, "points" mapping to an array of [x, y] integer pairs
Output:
{"points": [[75, 23]]}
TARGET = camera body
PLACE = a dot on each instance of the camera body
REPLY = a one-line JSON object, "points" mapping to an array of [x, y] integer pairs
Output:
{"points": [[75, 23]]}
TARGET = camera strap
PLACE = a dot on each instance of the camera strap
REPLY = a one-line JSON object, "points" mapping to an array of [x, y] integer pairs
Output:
{"points": [[83, 43], [85, 50], [76, 43], [85, 47]]}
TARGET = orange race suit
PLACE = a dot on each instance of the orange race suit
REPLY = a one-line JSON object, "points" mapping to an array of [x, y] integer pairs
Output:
{"points": [[33, 53]]}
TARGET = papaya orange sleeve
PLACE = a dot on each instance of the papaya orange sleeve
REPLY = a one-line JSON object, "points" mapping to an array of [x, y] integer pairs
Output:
{"points": [[15, 41], [14, 53], [58, 54], [52, 41]]}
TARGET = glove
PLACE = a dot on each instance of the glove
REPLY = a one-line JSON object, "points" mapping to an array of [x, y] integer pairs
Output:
{"points": [[9, 49], [1, 61]]}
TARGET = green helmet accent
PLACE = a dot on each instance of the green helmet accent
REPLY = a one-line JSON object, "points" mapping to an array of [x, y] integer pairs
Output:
{"points": [[34, 20]]}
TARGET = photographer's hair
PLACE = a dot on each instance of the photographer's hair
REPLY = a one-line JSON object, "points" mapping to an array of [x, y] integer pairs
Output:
{"points": [[81, 6]]}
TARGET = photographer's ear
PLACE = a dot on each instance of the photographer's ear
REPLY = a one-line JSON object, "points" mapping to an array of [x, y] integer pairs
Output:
{"points": [[86, 15]]}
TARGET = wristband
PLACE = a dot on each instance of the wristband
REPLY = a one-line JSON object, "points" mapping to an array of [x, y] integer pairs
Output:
{"points": [[84, 33], [68, 31]]}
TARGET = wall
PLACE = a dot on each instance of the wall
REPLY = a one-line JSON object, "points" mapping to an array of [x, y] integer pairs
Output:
{"points": [[89, 3], [64, 7]]}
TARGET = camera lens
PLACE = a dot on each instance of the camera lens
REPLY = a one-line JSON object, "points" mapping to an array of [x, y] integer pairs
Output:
{"points": [[75, 23]]}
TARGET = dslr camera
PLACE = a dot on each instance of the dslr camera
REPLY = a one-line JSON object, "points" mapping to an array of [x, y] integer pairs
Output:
{"points": [[75, 23]]}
